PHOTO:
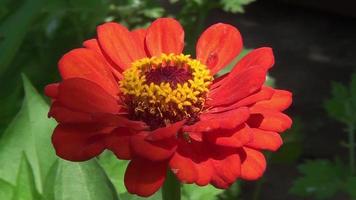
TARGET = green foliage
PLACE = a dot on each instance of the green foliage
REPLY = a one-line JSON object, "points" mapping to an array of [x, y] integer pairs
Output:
{"points": [[194, 192], [321, 179], [30, 134], [73, 181], [235, 6], [30, 167], [342, 105], [115, 169], [351, 186]]}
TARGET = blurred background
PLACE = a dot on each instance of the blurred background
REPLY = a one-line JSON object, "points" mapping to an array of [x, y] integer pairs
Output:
{"points": [[314, 43]]}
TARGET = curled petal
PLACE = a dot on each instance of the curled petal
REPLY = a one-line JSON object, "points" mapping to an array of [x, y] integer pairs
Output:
{"points": [[270, 121], [238, 87], [152, 150], [264, 94], [253, 164], [85, 96], [265, 140], [280, 101], [224, 120], [165, 132], [235, 138], [144, 177], [165, 35], [218, 46], [51, 90], [77, 142]]}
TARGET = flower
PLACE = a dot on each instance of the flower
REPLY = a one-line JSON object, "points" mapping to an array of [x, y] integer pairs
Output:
{"points": [[136, 94]]}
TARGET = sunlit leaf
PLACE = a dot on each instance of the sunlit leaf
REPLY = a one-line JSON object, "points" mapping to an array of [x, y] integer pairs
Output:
{"points": [[78, 181], [30, 134], [6, 190], [115, 169]]}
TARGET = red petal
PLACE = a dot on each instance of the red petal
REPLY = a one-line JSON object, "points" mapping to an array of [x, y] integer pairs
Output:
{"points": [[118, 43], [85, 96], [165, 132], [235, 138], [224, 120], [218, 46], [280, 101], [270, 120], [144, 177], [263, 94], [93, 44], [139, 36], [253, 164], [152, 150], [65, 115], [165, 35], [262, 57], [88, 64], [266, 140], [51, 90], [227, 167], [77, 142], [119, 143], [238, 87], [191, 163]]}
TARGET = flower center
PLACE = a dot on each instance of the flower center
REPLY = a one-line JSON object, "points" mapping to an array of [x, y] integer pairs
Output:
{"points": [[165, 89]]}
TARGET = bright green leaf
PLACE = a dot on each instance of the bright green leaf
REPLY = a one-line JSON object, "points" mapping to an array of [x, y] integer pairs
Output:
{"points": [[6, 190], [78, 181], [29, 133], [128, 196], [25, 184], [194, 192], [115, 169]]}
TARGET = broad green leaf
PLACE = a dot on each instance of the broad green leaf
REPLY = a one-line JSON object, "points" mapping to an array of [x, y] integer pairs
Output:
{"points": [[351, 186], [321, 179], [14, 30], [78, 181], [25, 184], [6, 190], [115, 169], [29, 133], [128, 196], [194, 192]]}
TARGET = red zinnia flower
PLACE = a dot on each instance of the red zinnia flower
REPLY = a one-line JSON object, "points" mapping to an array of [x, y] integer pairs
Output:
{"points": [[136, 94]]}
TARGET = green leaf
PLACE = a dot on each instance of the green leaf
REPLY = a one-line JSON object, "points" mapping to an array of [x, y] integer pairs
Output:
{"points": [[14, 30], [30, 134], [25, 184], [194, 192], [321, 179], [336, 105], [78, 181], [6, 190], [234, 6], [128, 196], [351, 186], [115, 169]]}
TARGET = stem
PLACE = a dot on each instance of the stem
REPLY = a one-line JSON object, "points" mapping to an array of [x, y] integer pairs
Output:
{"points": [[351, 133], [171, 187]]}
